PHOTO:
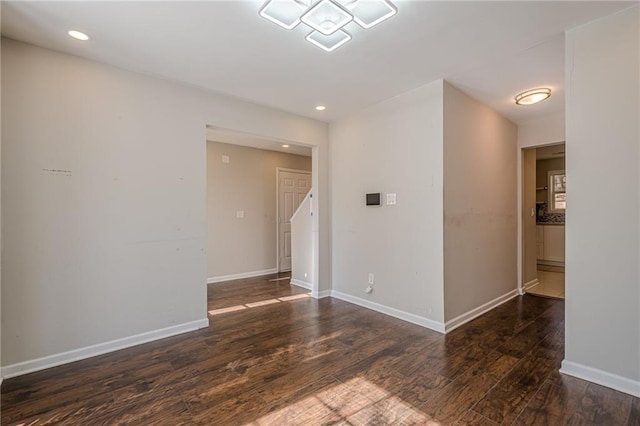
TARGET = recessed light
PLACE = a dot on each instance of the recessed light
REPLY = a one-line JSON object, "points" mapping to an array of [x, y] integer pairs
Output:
{"points": [[533, 96], [285, 146], [78, 35], [321, 108]]}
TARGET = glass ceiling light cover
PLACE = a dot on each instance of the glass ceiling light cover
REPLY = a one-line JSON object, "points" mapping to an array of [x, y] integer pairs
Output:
{"points": [[328, 42], [533, 96], [285, 13], [368, 13], [327, 17]]}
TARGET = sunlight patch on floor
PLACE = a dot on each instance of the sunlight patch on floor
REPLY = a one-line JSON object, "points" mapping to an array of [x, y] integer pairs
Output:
{"points": [[356, 402], [260, 303], [229, 309]]}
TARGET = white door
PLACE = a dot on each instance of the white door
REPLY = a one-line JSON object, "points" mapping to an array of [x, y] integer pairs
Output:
{"points": [[292, 188]]}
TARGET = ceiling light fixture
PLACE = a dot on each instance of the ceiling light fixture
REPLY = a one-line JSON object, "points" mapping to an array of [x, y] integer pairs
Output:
{"points": [[78, 35], [327, 17], [533, 96], [321, 108], [285, 146]]}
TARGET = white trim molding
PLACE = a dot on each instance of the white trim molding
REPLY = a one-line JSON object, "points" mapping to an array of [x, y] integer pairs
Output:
{"points": [[252, 274], [321, 294], [604, 378], [396, 313], [476, 312], [302, 284], [534, 282], [30, 366]]}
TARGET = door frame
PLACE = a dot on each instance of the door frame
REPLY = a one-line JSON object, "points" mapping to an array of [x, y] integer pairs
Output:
{"points": [[520, 229], [278, 171]]}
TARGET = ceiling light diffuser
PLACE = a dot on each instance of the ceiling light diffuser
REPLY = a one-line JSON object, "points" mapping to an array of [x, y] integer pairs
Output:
{"points": [[285, 13], [285, 146], [78, 35], [328, 43], [327, 17], [533, 96], [368, 13], [320, 108]]}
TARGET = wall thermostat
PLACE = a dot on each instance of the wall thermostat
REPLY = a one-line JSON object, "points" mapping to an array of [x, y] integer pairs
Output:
{"points": [[374, 199]]}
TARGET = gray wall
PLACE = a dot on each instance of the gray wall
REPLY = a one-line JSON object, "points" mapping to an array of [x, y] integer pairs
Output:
{"points": [[113, 245], [392, 147], [247, 183], [603, 214], [479, 204]]}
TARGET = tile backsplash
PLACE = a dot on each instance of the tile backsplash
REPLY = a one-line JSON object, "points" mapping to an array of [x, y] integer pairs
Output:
{"points": [[543, 216]]}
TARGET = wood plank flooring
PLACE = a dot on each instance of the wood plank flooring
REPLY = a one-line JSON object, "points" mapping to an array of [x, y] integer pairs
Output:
{"points": [[320, 362]]}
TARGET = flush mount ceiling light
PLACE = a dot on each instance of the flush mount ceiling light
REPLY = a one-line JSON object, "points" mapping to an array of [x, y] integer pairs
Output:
{"points": [[533, 96], [78, 35], [327, 17], [320, 108]]}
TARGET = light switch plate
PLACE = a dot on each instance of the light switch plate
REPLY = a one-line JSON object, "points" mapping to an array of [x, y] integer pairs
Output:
{"points": [[240, 214], [391, 199], [226, 159]]}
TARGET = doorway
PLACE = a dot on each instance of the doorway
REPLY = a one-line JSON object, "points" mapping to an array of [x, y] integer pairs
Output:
{"points": [[242, 202], [293, 187], [544, 199]]}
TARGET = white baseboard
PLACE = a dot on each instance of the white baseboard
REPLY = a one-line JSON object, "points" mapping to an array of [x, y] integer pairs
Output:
{"points": [[30, 366], [396, 313], [530, 284], [551, 263], [610, 380], [321, 294], [252, 274], [475, 313], [534, 282], [302, 284]]}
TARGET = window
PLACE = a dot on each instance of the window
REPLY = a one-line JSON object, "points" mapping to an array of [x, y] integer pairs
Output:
{"points": [[557, 191]]}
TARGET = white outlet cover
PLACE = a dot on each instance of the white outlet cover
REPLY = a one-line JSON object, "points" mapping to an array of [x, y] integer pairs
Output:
{"points": [[391, 199], [226, 159], [240, 214]]}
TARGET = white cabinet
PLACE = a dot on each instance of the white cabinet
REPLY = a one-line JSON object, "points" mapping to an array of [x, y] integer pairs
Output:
{"points": [[550, 242], [539, 242]]}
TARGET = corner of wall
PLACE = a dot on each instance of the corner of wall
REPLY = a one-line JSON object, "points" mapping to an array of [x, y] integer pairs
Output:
{"points": [[479, 207]]}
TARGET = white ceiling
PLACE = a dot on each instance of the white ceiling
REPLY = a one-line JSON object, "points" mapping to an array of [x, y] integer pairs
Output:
{"points": [[491, 50]]}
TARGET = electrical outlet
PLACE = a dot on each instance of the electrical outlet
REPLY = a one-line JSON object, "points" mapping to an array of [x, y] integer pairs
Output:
{"points": [[371, 278], [240, 214]]}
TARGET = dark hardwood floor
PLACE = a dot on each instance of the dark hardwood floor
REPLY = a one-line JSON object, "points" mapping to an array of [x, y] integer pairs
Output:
{"points": [[315, 362]]}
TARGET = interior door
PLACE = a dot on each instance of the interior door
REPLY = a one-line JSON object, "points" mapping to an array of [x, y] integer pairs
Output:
{"points": [[292, 188]]}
